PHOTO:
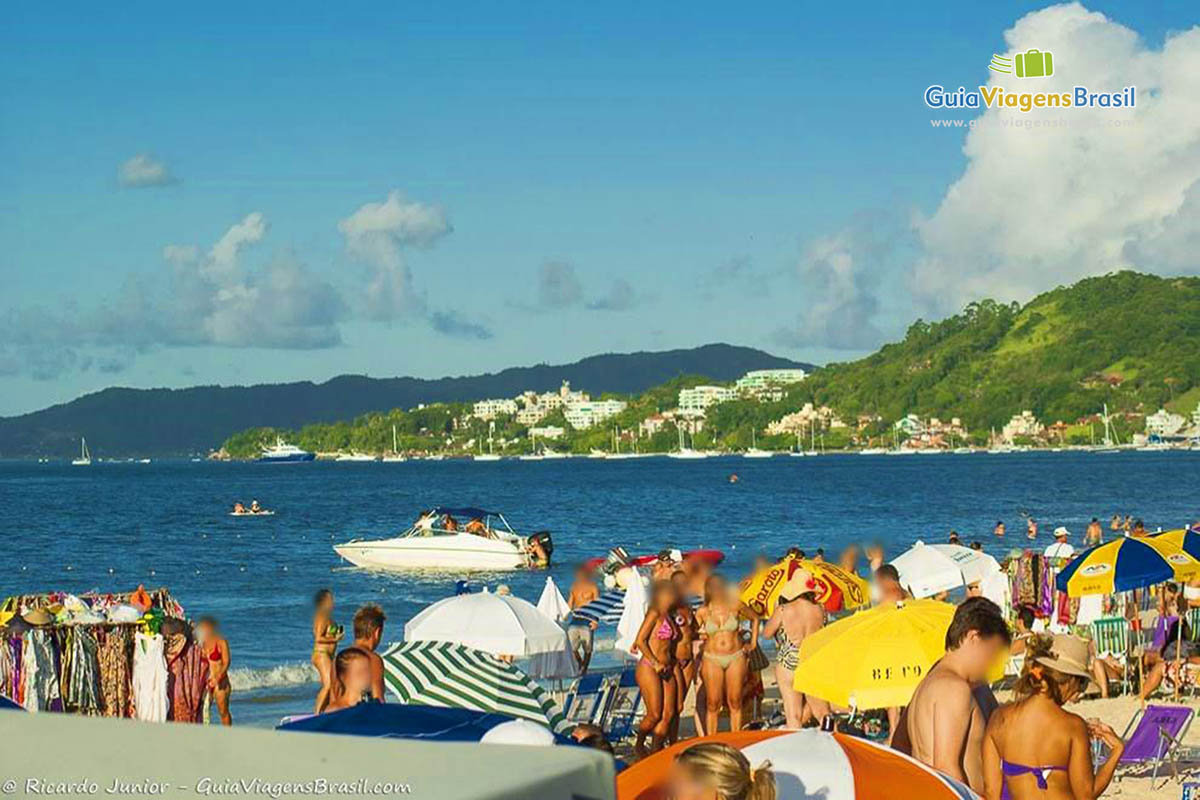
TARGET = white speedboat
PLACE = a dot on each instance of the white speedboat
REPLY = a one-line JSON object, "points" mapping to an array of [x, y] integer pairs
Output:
{"points": [[753, 451], [439, 540]]}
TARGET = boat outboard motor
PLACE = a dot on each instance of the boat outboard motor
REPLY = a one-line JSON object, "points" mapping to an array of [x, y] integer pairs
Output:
{"points": [[616, 559], [543, 538]]}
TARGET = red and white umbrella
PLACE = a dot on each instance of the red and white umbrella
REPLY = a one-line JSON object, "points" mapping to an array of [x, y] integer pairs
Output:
{"points": [[810, 763]]}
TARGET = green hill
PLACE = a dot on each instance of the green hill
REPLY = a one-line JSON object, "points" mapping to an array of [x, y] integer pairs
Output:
{"points": [[1127, 339]]}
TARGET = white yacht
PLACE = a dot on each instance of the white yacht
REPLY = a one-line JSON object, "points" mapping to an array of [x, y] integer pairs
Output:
{"points": [[687, 453], [434, 543], [85, 455]]}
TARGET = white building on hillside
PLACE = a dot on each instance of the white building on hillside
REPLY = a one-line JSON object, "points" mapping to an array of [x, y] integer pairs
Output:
{"points": [[1166, 425], [547, 432], [1023, 424], [585, 414], [769, 383], [697, 400], [490, 409]]}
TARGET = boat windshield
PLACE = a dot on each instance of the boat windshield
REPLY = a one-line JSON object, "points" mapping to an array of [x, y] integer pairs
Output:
{"points": [[443, 521]]}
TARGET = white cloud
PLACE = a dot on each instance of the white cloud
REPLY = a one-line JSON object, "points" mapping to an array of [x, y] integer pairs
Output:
{"points": [[620, 297], [1040, 207], [378, 233], [142, 171]]}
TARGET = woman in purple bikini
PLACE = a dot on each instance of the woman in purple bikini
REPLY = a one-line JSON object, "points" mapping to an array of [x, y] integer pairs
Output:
{"points": [[656, 643], [1033, 749]]}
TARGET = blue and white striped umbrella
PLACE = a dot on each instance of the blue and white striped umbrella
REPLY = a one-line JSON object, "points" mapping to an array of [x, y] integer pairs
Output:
{"points": [[607, 608]]}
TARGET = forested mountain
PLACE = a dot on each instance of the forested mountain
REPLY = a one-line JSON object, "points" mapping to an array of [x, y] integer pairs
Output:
{"points": [[122, 422]]}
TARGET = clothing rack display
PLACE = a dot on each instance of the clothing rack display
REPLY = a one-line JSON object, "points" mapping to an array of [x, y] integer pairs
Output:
{"points": [[97, 654]]}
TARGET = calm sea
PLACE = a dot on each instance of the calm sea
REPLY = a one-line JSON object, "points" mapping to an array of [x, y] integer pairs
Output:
{"points": [[113, 526]]}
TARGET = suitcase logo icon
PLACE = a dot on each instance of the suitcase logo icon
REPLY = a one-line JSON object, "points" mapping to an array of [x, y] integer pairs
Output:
{"points": [[1033, 63]]}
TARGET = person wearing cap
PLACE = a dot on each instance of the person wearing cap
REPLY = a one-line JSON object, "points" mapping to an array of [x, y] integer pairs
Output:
{"points": [[797, 615], [1033, 748], [1061, 549]]}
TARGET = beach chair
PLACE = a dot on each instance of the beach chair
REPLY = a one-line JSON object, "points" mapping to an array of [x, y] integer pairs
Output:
{"points": [[1111, 638], [1153, 737], [624, 707], [586, 699]]}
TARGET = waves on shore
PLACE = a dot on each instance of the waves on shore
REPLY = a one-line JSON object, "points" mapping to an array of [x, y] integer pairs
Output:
{"points": [[294, 674]]}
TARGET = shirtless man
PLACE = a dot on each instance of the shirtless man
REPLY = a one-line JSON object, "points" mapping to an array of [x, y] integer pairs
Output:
{"points": [[368, 630], [796, 615], [1093, 535], [352, 679], [580, 632], [948, 713]]}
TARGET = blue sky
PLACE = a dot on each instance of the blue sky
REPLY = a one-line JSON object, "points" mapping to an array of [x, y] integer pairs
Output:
{"points": [[566, 181]]}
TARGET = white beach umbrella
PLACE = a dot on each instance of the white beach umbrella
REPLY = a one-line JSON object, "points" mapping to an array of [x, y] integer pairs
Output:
{"points": [[494, 623], [552, 603], [927, 569]]}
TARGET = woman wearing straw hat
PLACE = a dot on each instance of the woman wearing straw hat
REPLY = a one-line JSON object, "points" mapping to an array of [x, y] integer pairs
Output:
{"points": [[1033, 749]]}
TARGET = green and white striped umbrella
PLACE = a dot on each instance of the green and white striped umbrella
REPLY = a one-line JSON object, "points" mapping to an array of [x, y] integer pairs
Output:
{"points": [[447, 674]]}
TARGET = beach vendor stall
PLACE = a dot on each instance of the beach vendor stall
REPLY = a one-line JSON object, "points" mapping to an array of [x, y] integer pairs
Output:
{"points": [[101, 654]]}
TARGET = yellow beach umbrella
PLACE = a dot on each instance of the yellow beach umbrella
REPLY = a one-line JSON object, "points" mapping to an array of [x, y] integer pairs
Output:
{"points": [[1127, 563], [836, 589], [875, 658]]}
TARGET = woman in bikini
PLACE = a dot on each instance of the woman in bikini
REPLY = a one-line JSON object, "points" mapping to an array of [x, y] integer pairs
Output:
{"points": [[724, 663], [216, 650], [685, 649], [1033, 749], [326, 635], [655, 673]]}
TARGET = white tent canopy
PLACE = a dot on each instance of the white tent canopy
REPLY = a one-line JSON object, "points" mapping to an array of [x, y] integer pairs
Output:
{"points": [[926, 569], [494, 623]]}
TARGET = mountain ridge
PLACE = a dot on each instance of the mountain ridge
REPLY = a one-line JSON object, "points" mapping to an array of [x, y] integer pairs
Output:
{"points": [[122, 421]]}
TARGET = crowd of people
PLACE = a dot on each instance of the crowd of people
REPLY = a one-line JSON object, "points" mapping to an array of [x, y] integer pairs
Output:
{"points": [[1030, 747]]}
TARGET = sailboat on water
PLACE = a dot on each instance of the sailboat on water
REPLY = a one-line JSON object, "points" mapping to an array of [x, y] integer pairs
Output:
{"points": [[685, 452], [1112, 442], [754, 452], [85, 455], [394, 456]]}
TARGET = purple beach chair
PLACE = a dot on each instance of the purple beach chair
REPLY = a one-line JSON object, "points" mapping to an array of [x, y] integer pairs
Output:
{"points": [[1153, 737]]}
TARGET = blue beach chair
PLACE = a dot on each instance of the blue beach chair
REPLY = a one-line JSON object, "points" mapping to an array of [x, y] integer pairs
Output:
{"points": [[586, 699], [624, 709]]}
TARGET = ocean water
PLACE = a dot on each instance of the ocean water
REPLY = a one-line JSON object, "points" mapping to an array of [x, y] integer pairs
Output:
{"points": [[112, 526]]}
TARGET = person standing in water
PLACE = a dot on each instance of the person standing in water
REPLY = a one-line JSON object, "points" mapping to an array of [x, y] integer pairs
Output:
{"points": [[326, 635], [216, 650], [1094, 534]]}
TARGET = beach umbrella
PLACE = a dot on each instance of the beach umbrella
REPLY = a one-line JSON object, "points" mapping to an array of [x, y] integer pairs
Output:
{"points": [[450, 675], [552, 603], [836, 589], [495, 623], [926, 569], [808, 764], [605, 608], [875, 658], [1187, 539], [1126, 563], [396, 721]]}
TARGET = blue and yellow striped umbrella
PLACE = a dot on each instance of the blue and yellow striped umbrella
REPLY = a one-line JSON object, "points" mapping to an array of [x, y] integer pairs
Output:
{"points": [[1124, 564], [1188, 539]]}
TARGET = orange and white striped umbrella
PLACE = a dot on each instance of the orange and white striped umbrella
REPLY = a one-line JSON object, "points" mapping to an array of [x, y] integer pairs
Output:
{"points": [[807, 764]]}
